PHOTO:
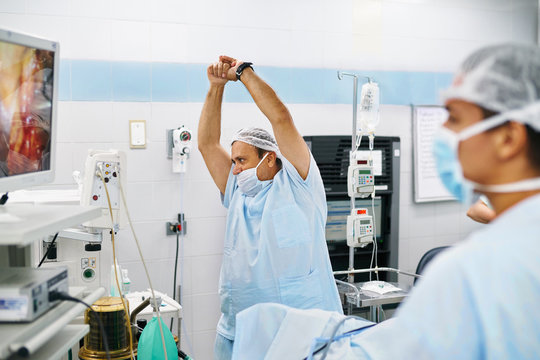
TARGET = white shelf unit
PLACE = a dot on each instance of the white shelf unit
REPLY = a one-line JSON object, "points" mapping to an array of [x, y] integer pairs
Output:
{"points": [[22, 224], [36, 337], [51, 335]]}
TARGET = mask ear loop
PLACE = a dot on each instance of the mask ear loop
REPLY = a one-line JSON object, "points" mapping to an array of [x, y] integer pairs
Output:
{"points": [[260, 162]]}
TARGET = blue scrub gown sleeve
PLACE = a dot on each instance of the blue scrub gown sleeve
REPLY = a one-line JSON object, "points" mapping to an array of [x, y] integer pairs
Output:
{"points": [[229, 189], [438, 320], [295, 176], [312, 186]]}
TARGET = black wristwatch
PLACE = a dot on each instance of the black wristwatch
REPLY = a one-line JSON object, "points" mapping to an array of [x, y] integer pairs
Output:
{"points": [[241, 68]]}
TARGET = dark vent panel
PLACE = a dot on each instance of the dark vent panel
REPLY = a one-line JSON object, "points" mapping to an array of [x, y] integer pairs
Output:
{"points": [[332, 156]]}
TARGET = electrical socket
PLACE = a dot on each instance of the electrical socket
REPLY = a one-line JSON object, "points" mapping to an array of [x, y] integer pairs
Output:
{"points": [[172, 228]]}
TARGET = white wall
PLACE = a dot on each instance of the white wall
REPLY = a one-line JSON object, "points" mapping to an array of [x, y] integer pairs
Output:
{"points": [[407, 35]]}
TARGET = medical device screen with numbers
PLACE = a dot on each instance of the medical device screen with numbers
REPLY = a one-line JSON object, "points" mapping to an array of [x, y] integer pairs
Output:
{"points": [[338, 210], [26, 98]]}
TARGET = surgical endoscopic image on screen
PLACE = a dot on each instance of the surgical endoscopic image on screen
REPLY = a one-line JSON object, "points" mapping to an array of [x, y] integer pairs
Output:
{"points": [[25, 109]]}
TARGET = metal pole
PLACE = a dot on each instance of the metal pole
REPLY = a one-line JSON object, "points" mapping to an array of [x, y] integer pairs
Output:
{"points": [[353, 148], [361, 271]]}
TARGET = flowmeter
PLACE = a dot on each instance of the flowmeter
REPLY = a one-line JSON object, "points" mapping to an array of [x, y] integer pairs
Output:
{"points": [[181, 149]]}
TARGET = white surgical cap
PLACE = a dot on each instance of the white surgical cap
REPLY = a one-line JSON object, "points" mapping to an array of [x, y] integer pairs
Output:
{"points": [[501, 78], [257, 137]]}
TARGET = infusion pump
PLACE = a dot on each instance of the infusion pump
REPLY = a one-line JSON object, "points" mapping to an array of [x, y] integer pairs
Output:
{"points": [[359, 228], [360, 179]]}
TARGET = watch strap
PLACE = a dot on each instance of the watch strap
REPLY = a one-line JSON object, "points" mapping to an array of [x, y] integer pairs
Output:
{"points": [[241, 68]]}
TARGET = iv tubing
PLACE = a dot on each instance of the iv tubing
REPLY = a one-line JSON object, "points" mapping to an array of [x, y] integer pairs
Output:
{"points": [[144, 265], [115, 266]]}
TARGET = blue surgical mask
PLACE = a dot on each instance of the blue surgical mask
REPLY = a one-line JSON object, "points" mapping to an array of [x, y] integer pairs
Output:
{"points": [[248, 182], [445, 146], [445, 150]]}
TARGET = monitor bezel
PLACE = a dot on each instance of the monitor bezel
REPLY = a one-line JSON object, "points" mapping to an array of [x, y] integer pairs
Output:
{"points": [[23, 181]]}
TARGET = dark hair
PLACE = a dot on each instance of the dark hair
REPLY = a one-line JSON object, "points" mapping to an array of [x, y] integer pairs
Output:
{"points": [[261, 152], [533, 138]]}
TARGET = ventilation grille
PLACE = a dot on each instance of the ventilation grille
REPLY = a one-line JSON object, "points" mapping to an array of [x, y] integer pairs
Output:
{"points": [[332, 156]]}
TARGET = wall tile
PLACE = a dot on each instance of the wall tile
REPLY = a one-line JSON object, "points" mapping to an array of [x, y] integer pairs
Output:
{"points": [[94, 9], [169, 82], [203, 344], [91, 80], [125, 111], [406, 189], [206, 312], [175, 11], [130, 9], [422, 218], [307, 15], [90, 122], [63, 167], [168, 42], [13, 6], [63, 116], [130, 41], [56, 28], [203, 200], [64, 79], [205, 236], [48, 7], [187, 325], [447, 218], [90, 38], [131, 81], [206, 270], [140, 200]]}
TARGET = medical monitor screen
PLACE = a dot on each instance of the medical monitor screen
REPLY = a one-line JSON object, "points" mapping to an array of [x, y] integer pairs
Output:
{"points": [[26, 108]]}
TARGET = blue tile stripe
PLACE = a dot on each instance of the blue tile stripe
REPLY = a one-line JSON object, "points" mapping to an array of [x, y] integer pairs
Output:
{"points": [[92, 80]]}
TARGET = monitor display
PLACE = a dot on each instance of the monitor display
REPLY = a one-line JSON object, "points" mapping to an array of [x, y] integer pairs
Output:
{"points": [[28, 73]]}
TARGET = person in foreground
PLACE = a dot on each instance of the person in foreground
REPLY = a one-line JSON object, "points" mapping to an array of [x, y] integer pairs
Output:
{"points": [[274, 248], [479, 299]]}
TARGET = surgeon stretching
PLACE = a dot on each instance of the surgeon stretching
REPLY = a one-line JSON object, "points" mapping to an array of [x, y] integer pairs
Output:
{"points": [[274, 248]]}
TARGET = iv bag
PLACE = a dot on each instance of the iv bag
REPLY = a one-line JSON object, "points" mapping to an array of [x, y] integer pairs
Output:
{"points": [[369, 108]]}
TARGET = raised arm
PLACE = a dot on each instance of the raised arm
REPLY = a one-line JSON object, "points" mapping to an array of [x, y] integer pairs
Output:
{"points": [[290, 142], [215, 156]]}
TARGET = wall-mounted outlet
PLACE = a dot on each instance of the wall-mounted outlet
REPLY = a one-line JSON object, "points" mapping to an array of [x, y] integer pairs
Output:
{"points": [[178, 227]]}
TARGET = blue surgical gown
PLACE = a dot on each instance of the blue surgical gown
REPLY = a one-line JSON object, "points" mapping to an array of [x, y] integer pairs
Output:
{"points": [[479, 299], [275, 248]]}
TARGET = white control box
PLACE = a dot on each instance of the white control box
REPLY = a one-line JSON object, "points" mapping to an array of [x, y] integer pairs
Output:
{"points": [[360, 179], [111, 165], [359, 228], [181, 149]]}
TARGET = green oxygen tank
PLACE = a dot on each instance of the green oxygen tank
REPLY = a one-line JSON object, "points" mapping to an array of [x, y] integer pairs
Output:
{"points": [[150, 344]]}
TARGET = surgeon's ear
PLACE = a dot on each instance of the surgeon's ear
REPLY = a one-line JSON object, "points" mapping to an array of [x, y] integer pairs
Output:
{"points": [[271, 159], [511, 141]]}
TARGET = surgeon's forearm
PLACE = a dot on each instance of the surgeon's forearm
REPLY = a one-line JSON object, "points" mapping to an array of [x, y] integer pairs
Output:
{"points": [[265, 98], [210, 122]]}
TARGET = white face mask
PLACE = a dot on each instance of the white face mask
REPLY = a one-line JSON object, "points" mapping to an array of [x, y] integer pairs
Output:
{"points": [[248, 182]]}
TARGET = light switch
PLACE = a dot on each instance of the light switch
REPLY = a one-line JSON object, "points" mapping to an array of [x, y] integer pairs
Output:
{"points": [[137, 134]]}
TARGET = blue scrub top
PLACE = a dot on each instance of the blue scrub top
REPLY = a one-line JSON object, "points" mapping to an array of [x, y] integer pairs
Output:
{"points": [[478, 300], [275, 248]]}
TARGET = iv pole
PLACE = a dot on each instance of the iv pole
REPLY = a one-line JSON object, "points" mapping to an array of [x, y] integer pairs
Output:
{"points": [[350, 276]]}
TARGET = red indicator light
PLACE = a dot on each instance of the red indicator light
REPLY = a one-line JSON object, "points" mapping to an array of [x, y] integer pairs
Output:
{"points": [[361, 212], [361, 162], [95, 197]]}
